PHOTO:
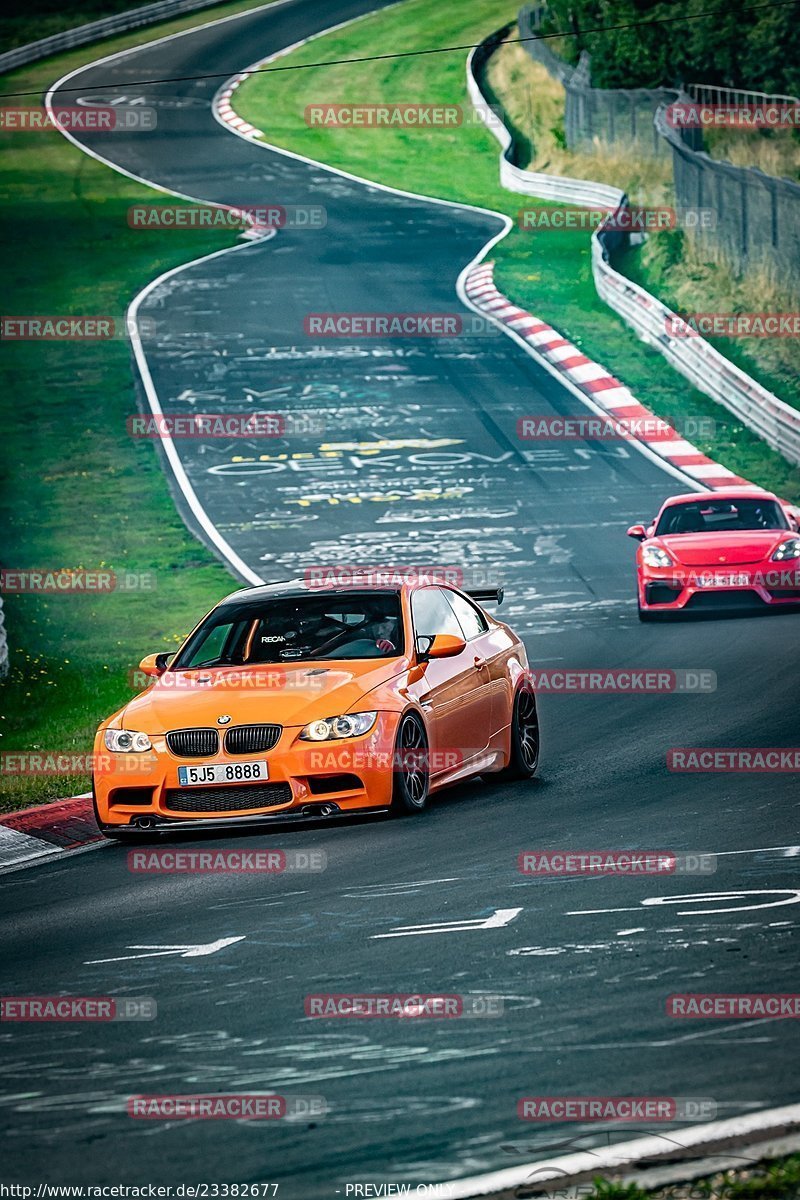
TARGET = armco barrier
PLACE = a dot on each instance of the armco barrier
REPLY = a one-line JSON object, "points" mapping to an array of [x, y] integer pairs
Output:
{"points": [[148, 14], [545, 187], [705, 368]]}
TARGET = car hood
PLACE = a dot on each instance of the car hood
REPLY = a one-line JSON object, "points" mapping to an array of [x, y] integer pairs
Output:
{"points": [[270, 694], [713, 549]]}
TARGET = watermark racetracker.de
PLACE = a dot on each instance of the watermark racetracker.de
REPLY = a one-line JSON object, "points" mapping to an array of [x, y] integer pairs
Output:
{"points": [[238, 1106], [644, 681], [75, 581], [623, 219], [207, 426], [78, 118], [402, 1005], [77, 1008], [624, 863], [734, 759], [233, 216], [177, 861]]}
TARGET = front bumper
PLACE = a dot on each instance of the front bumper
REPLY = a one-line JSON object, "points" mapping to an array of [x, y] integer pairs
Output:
{"points": [[750, 587], [302, 816], [307, 781]]}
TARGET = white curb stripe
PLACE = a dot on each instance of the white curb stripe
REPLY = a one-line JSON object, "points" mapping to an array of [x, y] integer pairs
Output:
{"points": [[586, 372], [620, 397], [701, 470], [16, 847], [671, 449], [236, 564]]}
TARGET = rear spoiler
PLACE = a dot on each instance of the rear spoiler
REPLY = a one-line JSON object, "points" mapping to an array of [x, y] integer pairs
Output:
{"points": [[492, 595]]}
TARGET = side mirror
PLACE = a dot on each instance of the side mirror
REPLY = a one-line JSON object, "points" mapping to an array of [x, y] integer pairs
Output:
{"points": [[637, 531], [155, 664], [445, 645]]}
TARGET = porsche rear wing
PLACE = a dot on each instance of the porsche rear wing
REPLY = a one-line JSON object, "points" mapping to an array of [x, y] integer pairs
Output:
{"points": [[490, 595]]}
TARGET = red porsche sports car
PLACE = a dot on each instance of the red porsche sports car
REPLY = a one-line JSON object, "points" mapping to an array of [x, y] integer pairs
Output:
{"points": [[727, 549]]}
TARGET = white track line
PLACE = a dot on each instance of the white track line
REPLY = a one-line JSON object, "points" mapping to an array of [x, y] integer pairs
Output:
{"points": [[626, 1154], [237, 565]]}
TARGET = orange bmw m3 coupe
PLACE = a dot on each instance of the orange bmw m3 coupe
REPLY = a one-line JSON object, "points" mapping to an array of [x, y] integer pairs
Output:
{"points": [[297, 701]]}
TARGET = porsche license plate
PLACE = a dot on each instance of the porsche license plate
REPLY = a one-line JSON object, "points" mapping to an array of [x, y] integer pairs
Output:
{"points": [[240, 772], [724, 579]]}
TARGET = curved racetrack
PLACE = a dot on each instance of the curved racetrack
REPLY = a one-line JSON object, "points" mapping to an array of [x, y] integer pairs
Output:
{"points": [[419, 462]]}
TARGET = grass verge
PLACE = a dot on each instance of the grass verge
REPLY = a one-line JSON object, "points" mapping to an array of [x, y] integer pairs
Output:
{"points": [[773, 151], [77, 491], [534, 105], [548, 273], [778, 1180]]}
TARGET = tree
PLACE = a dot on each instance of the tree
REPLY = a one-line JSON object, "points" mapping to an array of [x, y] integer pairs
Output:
{"points": [[657, 43]]}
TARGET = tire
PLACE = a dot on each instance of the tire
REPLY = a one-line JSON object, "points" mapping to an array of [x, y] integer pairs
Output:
{"points": [[411, 771], [524, 733]]}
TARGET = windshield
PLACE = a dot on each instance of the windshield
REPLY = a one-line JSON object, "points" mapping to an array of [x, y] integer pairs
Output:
{"points": [[296, 629], [721, 516]]}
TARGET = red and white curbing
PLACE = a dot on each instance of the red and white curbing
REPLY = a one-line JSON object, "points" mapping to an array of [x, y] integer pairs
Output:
{"points": [[594, 380], [222, 103], [47, 831], [226, 113]]}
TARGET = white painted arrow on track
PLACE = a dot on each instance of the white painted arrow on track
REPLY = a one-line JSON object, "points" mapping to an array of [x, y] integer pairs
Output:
{"points": [[161, 951], [785, 896], [499, 918]]}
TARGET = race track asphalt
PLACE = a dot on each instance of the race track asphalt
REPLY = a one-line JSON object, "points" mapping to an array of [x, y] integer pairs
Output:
{"points": [[585, 966]]}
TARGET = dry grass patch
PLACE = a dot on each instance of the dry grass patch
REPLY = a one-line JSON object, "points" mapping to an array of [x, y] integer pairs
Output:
{"points": [[534, 102]]}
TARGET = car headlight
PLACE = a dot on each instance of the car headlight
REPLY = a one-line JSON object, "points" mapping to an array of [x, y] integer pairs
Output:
{"points": [[787, 549], [126, 741], [654, 556], [332, 728]]}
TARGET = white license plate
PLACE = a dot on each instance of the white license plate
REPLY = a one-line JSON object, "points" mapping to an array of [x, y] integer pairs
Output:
{"points": [[724, 579], [240, 772]]}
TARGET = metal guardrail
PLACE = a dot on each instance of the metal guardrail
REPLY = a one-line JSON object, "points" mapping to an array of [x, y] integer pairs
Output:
{"points": [[147, 14], [560, 188], [708, 93], [699, 362]]}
